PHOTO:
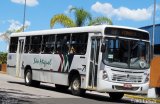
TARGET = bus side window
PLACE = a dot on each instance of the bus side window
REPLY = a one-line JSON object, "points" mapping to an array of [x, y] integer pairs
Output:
{"points": [[62, 43], [36, 44], [13, 45], [27, 44], [48, 44], [79, 43]]}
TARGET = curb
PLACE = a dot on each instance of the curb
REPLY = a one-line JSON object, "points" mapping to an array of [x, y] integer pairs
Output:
{"points": [[3, 72], [142, 98]]}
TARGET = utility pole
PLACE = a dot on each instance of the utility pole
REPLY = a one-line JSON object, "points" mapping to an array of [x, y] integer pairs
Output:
{"points": [[24, 15], [154, 14]]}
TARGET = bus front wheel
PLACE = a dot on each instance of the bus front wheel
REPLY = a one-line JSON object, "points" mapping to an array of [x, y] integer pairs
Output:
{"points": [[75, 86], [116, 96]]}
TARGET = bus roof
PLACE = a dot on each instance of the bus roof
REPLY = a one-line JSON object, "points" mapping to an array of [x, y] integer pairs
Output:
{"points": [[96, 28]]}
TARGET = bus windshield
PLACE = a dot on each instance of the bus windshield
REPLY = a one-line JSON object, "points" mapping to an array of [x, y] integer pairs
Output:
{"points": [[125, 53]]}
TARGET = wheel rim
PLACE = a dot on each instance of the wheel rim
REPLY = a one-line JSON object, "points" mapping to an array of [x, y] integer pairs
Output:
{"points": [[76, 84], [28, 77]]}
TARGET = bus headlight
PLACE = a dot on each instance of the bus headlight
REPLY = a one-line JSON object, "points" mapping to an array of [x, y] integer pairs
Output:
{"points": [[147, 78], [105, 75]]}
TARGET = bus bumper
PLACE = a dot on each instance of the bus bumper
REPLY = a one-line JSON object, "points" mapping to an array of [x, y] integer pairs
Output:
{"points": [[106, 86]]}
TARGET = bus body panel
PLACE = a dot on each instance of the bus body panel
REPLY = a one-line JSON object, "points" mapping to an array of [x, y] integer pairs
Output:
{"points": [[11, 64], [106, 86], [137, 81], [54, 68]]}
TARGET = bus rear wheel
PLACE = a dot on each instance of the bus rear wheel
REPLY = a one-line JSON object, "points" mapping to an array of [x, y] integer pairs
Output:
{"points": [[75, 86], [28, 79], [116, 95]]}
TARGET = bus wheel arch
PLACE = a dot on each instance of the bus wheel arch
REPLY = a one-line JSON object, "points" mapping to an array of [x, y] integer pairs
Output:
{"points": [[71, 74], [28, 77], [75, 83], [28, 67]]}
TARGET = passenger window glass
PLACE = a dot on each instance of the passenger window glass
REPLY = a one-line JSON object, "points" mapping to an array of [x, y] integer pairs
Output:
{"points": [[27, 45], [48, 44], [79, 43], [13, 45], [62, 43], [36, 44]]}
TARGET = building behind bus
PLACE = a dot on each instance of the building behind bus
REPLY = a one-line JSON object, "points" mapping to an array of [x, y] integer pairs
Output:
{"points": [[155, 67]]}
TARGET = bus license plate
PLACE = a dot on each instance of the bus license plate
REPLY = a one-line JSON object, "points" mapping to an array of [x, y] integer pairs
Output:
{"points": [[126, 85]]}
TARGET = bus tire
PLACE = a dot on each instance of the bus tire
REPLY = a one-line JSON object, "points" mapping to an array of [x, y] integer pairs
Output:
{"points": [[116, 95], [61, 87], [76, 86], [28, 79]]}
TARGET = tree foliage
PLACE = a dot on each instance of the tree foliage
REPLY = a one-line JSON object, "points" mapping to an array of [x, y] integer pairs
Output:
{"points": [[3, 58], [5, 36], [82, 18], [62, 19], [101, 20]]}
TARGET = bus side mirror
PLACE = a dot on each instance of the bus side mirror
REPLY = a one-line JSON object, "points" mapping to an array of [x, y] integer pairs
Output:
{"points": [[103, 48]]}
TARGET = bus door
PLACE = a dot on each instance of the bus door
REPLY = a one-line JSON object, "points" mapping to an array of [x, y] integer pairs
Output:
{"points": [[93, 68], [20, 50]]}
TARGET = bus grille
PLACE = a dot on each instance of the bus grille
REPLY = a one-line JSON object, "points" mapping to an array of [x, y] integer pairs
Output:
{"points": [[123, 88], [127, 78]]}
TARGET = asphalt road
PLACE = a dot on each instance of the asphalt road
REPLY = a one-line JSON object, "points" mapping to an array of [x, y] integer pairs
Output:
{"points": [[13, 91]]}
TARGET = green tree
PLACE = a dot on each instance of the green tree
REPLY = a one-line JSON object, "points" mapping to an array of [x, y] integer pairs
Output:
{"points": [[3, 58], [82, 18]]}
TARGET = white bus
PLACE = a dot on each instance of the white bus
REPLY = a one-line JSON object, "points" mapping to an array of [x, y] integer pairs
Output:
{"points": [[103, 58]]}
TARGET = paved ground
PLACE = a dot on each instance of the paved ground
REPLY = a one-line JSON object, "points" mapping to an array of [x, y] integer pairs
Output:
{"points": [[13, 91]]}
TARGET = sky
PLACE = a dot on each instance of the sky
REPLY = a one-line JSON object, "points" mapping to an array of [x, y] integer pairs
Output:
{"points": [[132, 13]]}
